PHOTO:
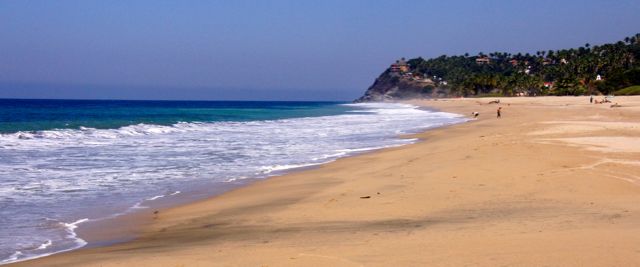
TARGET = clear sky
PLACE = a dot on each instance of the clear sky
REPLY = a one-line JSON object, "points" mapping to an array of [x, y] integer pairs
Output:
{"points": [[269, 50]]}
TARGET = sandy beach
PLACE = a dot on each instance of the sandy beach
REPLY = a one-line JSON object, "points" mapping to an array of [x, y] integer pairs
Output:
{"points": [[554, 182]]}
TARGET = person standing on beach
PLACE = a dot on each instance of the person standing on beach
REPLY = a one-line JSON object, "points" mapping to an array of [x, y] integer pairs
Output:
{"points": [[591, 99], [498, 112]]}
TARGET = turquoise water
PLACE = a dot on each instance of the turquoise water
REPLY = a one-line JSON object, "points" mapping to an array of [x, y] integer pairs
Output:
{"points": [[35, 115], [66, 164]]}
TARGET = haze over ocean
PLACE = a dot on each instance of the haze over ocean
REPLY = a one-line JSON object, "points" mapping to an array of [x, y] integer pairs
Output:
{"points": [[269, 50]]}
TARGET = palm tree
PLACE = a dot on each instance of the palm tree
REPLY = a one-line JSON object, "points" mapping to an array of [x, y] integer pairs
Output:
{"points": [[581, 50]]}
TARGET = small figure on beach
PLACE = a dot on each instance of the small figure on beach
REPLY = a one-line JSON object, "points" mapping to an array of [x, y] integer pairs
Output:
{"points": [[590, 99], [475, 114], [498, 112]]}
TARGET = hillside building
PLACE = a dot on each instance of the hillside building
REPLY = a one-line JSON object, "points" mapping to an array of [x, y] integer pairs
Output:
{"points": [[400, 66], [483, 60]]}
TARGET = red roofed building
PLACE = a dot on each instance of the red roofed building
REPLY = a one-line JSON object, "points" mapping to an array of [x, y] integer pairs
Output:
{"points": [[400, 66]]}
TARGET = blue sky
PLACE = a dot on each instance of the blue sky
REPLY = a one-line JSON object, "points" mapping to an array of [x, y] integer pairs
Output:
{"points": [[269, 50]]}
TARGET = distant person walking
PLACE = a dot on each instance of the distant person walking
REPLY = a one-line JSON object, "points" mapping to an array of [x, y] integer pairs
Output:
{"points": [[591, 99], [498, 112]]}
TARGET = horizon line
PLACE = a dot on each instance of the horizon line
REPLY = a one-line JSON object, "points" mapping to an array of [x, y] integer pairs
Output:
{"points": [[168, 100]]}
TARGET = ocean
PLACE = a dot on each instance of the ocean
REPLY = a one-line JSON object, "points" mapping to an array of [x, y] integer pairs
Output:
{"points": [[69, 163]]}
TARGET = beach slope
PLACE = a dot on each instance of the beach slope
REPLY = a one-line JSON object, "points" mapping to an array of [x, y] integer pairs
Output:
{"points": [[555, 181]]}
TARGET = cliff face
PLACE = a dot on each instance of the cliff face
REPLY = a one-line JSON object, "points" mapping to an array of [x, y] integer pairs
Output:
{"points": [[397, 86]]}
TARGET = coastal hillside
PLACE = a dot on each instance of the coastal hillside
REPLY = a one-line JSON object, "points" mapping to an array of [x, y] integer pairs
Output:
{"points": [[604, 69]]}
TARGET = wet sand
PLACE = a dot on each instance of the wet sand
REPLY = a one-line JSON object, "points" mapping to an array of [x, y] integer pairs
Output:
{"points": [[555, 181]]}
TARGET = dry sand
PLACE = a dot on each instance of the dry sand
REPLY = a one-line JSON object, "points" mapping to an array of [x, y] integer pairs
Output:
{"points": [[554, 182]]}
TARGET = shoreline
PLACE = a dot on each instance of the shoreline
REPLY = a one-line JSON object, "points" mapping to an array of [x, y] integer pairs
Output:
{"points": [[127, 225], [411, 202]]}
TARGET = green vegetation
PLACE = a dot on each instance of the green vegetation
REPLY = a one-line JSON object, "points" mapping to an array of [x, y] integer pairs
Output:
{"points": [[586, 70], [631, 90]]}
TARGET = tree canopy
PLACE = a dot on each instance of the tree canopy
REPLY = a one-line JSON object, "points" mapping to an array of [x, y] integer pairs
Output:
{"points": [[585, 70]]}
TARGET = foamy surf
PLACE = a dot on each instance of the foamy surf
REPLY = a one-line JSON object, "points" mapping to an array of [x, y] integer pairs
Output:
{"points": [[126, 169], [45, 248], [280, 168]]}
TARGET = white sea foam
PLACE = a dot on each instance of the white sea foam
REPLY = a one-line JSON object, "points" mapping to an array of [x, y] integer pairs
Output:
{"points": [[35, 253], [328, 156], [71, 172], [45, 245], [155, 197], [12, 258], [71, 233], [277, 168], [136, 206]]}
